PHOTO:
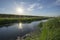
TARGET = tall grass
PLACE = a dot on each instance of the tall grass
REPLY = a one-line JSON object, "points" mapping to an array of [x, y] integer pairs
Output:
{"points": [[50, 30], [20, 19]]}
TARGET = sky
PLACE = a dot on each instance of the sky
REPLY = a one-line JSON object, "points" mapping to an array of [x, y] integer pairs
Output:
{"points": [[30, 7]]}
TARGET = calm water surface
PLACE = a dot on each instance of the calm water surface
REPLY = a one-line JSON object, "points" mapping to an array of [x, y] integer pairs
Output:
{"points": [[15, 30]]}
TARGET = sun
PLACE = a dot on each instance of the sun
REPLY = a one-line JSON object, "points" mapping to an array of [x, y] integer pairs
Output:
{"points": [[19, 10]]}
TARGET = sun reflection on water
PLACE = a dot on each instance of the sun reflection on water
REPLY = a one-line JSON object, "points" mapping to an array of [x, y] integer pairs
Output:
{"points": [[20, 26]]}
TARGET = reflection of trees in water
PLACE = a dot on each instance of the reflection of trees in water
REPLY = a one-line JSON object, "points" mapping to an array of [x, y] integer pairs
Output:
{"points": [[7, 23], [20, 34]]}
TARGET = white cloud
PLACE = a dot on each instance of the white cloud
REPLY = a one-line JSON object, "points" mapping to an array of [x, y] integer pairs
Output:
{"points": [[28, 6], [53, 4], [19, 4], [2, 9], [39, 0], [22, 4], [31, 7], [57, 2], [40, 7], [34, 6]]}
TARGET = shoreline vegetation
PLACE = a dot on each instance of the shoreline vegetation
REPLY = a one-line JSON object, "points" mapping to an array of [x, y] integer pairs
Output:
{"points": [[11, 17], [6, 19], [49, 30], [11, 20]]}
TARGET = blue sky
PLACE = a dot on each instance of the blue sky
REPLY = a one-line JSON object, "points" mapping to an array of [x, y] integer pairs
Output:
{"points": [[30, 7]]}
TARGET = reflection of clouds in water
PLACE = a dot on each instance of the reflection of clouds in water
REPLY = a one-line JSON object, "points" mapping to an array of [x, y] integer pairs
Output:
{"points": [[17, 29], [20, 26], [18, 38]]}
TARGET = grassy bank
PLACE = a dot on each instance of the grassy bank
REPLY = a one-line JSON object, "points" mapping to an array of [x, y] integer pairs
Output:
{"points": [[49, 30], [8, 20]]}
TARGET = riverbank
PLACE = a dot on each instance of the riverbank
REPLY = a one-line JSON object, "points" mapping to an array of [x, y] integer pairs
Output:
{"points": [[11, 20], [49, 30]]}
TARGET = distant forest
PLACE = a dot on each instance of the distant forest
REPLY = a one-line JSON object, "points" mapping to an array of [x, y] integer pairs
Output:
{"points": [[15, 16]]}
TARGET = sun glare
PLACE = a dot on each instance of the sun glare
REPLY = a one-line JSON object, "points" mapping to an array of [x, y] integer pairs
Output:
{"points": [[19, 10], [20, 26]]}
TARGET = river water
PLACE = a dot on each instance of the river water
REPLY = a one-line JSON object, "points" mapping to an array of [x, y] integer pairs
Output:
{"points": [[14, 30]]}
